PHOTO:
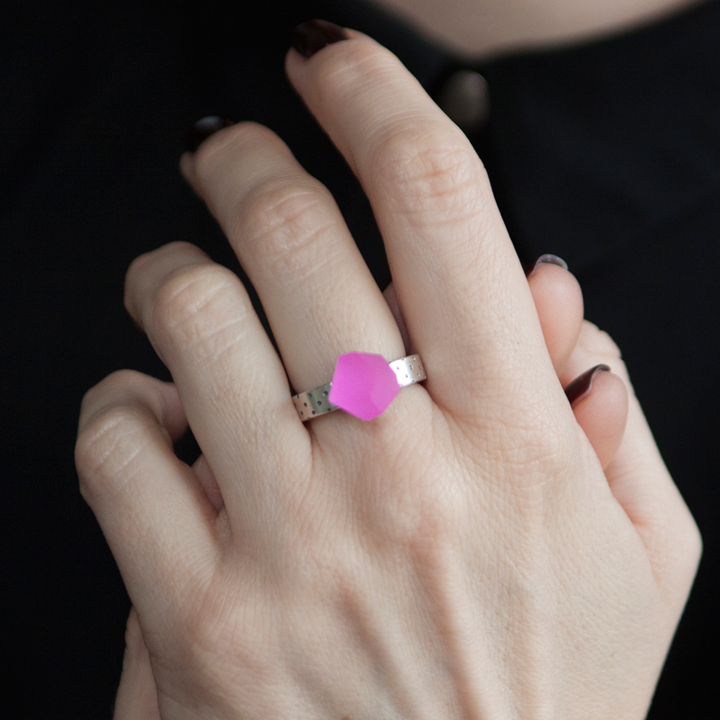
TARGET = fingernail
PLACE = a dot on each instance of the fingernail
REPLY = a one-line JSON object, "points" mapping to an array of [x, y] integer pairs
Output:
{"points": [[203, 129], [309, 37], [582, 385], [548, 260]]}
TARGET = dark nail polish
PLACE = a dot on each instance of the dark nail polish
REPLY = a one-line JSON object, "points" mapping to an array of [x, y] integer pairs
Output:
{"points": [[582, 385], [548, 260], [309, 37], [203, 129]]}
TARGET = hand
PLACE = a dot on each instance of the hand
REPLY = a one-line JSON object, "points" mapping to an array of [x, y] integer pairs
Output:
{"points": [[464, 554], [601, 411]]}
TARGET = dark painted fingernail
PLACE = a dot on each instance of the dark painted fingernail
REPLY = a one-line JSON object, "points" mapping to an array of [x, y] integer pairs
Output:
{"points": [[548, 260], [582, 385], [309, 37], [203, 129]]}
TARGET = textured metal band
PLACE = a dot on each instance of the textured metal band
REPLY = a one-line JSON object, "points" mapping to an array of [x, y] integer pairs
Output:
{"points": [[313, 403]]}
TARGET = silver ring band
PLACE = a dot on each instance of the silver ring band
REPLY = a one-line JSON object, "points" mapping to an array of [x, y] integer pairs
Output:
{"points": [[313, 403]]}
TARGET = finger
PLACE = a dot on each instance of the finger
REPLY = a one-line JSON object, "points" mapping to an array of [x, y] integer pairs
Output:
{"points": [[233, 387], [137, 694], [558, 301], [453, 265], [600, 406], [641, 483], [600, 402], [150, 507], [559, 304], [290, 237]]}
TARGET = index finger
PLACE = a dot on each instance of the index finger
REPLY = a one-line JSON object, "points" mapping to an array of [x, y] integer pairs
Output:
{"points": [[458, 280]]}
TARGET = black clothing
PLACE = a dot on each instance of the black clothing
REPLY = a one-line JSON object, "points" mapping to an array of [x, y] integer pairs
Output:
{"points": [[607, 154]]}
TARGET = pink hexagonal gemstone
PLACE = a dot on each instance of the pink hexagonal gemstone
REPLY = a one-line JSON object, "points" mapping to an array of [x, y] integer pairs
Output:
{"points": [[363, 385]]}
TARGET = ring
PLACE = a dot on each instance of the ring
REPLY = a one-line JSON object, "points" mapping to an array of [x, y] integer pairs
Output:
{"points": [[363, 385]]}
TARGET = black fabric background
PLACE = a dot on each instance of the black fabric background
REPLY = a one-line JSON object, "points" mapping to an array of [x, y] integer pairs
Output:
{"points": [[608, 155]]}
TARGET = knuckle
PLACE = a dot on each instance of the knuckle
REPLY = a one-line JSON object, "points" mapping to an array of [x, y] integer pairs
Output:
{"points": [[535, 453], [138, 279], [198, 308], [517, 423], [283, 220], [524, 451], [422, 507], [430, 175], [215, 151], [217, 157], [421, 522], [118, 384], [139, 265], [107, 446]]}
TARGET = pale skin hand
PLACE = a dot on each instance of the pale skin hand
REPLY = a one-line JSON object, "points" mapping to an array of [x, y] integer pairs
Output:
{"points": [[482, 28], [572, 344], [464, 555]]}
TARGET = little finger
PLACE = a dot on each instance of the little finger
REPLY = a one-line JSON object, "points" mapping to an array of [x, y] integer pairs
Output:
{"points": [[151, 509]]}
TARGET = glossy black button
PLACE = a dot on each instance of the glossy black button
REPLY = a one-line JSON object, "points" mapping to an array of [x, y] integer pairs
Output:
{"points": [[465, 99]]}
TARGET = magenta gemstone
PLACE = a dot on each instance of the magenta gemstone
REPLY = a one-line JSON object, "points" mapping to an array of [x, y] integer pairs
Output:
{"points": [[363, 385]]}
